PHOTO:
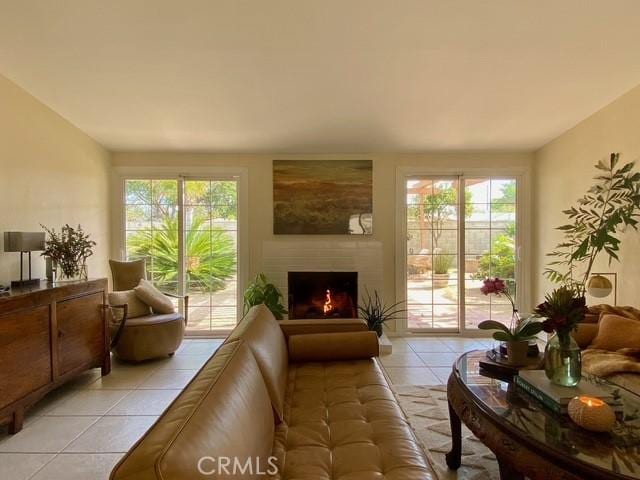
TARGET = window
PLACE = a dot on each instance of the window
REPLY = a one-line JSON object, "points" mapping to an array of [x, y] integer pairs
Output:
{"points": [[187, 232], [459, 230]]}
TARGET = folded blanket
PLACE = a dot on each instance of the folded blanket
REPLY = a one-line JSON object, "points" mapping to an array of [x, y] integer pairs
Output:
{"points": [[603, 363], [629, 312]]}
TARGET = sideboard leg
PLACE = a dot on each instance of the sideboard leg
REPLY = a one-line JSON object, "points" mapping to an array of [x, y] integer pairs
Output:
{"points": [[507, 472], [455, 454], [16, 423]]}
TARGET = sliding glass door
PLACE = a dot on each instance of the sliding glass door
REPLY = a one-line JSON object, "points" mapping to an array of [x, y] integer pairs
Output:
{"points": [[186, 230], [490, 246], [432, 253], [458, 231]]}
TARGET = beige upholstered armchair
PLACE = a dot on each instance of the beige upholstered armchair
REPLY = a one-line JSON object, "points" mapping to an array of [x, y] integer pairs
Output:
{"points": [[140, 331]]}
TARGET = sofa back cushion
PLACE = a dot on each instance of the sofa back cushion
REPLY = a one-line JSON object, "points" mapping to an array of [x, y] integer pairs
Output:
{"points": [[331, 347], [224, 412], [616, 332], [260, 330]]}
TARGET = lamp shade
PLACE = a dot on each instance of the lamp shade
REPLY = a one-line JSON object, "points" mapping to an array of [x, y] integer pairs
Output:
{"points": [[599, 286], [23, 241]]}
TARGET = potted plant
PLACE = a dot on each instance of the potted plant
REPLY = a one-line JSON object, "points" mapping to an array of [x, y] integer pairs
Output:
{"points": [[442, 263], [68, 251], [609, 206], [520, 330], [376, 313], [261, 291], [562, 310]]}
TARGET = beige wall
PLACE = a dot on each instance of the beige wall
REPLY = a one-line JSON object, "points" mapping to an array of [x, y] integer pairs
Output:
{"points": [[50, 173], [563, 172], [260, 190]]}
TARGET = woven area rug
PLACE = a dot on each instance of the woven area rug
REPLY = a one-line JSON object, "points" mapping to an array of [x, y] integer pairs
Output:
{"points": [[427, 410]]}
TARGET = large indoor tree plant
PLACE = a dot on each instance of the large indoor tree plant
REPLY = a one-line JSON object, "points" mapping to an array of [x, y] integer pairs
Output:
{"points": [[594, 225]]}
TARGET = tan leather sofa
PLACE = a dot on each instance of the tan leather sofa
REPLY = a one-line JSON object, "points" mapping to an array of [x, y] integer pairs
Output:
{"points": [[297, 405]]}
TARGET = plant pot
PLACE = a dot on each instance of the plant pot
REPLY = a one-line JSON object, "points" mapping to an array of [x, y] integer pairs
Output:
{"points": [[378, 329], [517, 352], [562, 360], [440, 280], [73, 273]]}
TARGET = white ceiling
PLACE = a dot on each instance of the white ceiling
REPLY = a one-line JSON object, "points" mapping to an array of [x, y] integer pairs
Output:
{"points": [[322, 75]]}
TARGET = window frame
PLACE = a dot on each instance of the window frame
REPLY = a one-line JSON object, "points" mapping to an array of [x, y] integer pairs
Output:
{"points": [[523, 238], [118, 250]]}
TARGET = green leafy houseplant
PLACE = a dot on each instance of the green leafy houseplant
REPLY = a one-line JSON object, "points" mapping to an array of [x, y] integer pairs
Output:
{"points": [[610, 205], [376, 313], [68, 250], [261, 291], [523, 329], [519, 331]]}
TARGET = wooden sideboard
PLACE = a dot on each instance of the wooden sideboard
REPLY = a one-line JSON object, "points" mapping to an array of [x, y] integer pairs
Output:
{"points": [[48, 335]]}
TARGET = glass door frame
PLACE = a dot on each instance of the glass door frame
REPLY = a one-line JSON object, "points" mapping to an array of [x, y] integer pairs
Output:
{"points": [[118, 221], [523, 237]]}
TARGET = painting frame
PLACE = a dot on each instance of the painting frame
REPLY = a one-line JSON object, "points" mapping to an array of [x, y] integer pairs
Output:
{"points": [[322, 197]]}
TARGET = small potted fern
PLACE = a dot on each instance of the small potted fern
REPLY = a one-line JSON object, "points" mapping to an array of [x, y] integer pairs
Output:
{"points": [[376, 313]]}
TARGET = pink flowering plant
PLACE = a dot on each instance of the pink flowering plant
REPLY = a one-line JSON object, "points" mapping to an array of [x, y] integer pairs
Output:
{"points": [[519, 328]]}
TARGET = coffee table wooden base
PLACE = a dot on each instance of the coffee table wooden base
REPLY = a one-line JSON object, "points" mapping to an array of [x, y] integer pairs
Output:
{"points": [[515, 459]]}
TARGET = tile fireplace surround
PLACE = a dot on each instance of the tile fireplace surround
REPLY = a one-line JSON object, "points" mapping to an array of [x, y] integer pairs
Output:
{"points": [[362, 256]]}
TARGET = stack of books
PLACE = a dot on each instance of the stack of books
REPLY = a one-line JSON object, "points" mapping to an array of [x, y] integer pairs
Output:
{"points": [[557, 397]]}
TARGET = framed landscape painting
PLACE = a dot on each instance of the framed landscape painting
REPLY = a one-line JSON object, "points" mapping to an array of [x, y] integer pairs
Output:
{"points": [[323, 197]]}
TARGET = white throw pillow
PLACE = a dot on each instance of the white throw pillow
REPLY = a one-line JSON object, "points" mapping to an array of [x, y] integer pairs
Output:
{"points": [[136, 308], [153, 297]]}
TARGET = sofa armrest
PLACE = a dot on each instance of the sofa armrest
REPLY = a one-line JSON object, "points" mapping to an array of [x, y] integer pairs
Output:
{"points": [[326, 347], [584, 334], [330, 325]]}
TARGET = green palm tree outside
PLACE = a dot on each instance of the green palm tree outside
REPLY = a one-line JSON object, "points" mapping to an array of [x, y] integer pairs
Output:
{"points": [[210, 254]]}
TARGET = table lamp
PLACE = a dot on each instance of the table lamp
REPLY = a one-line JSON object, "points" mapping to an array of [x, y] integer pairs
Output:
{"points": [[24, 242]]}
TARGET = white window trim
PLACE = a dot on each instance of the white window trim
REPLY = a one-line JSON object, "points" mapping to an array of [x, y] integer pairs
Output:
{"points": [[120, 174], [523, 234]]}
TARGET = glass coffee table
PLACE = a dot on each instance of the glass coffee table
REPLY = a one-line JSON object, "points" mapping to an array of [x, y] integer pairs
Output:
{"points": [[530, 440]]}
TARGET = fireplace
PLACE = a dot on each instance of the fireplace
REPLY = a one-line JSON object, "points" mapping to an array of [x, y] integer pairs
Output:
{"points": [[323, 295]]}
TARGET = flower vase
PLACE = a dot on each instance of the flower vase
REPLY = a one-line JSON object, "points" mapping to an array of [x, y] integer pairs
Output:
{"points": [[562, 360], [69, 272]]}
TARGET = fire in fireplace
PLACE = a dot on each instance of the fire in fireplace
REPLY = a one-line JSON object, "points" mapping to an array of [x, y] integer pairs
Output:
{"points": [[323, 295]]}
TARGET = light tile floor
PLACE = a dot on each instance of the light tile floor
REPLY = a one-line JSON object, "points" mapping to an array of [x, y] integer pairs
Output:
{"points": [[81, 430]]}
